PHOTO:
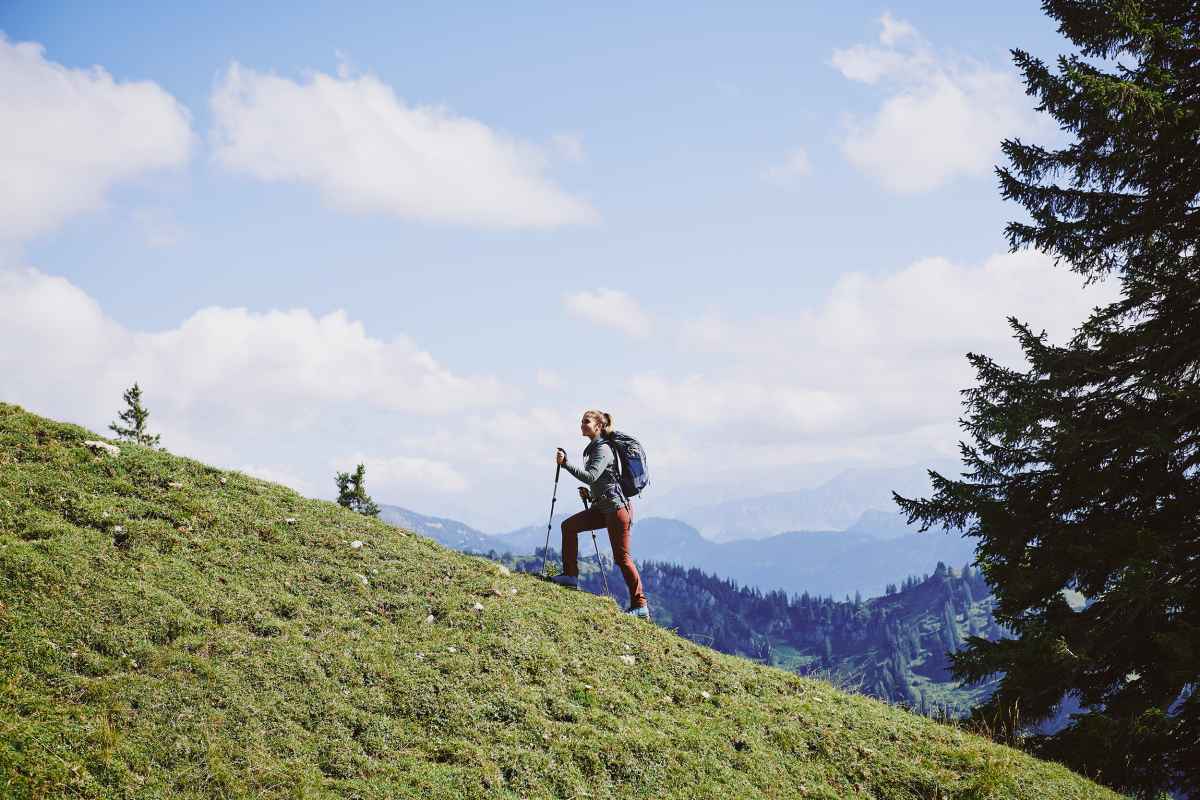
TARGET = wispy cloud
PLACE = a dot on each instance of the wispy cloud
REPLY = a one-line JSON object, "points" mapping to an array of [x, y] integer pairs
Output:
{"points": [[284, 477], [794, 165], [610, 308], [400, 476], [569, 146], [549, 379]]}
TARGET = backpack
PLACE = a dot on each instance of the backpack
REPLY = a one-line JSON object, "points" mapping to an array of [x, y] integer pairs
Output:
{"points": [[632, 472]]}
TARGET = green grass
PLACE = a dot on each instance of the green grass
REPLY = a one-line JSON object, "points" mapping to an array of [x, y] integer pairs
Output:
{"points": [[213, 648]]}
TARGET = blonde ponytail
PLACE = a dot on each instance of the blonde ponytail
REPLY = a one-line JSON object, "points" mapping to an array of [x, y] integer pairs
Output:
{"points": [[603, 418]]}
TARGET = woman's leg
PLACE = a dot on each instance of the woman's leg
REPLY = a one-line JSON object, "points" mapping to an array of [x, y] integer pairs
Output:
{"points": [[572, 526], [619, 522]]}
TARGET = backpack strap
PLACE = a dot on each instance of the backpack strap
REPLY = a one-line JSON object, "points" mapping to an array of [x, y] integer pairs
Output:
{"points": [[616, 454], [616, 457], [619, 470]]}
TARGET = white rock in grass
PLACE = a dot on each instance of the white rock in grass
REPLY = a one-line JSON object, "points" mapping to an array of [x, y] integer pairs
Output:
{"points": [[356, 544], [175, 485], [706, 695], [429, 620], [290, 520], [478, 607], [629, 660], [451, 649], [224, 481], [363, 579], [104, 447]]}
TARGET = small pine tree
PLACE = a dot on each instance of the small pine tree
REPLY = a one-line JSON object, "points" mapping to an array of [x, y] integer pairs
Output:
{"points": [[352, 492], [134, 417]]}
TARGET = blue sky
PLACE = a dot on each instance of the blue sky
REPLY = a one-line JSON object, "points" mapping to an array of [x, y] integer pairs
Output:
{"points": [[748, 226]]}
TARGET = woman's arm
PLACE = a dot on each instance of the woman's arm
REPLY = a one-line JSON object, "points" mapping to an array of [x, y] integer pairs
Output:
{"points": [[597, 462]]}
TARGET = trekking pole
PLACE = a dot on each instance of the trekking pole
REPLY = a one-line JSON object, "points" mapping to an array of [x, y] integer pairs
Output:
{"points": [[599, 560], [549, 522]]}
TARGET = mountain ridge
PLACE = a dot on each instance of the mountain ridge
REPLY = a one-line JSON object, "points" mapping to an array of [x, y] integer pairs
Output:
{"points": [[879, 549], [835, 504]]}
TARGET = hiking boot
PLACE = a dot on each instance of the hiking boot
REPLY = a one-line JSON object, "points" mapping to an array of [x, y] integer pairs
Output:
{"points": [[640, 611], [569, 581]]}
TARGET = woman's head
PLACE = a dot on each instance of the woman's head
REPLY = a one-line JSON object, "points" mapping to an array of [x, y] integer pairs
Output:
{"points": [[595, 423]]}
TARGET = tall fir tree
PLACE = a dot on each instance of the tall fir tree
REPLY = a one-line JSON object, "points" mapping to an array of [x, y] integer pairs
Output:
{"points": [[352, 492], [1083, 474], [134, 418]]}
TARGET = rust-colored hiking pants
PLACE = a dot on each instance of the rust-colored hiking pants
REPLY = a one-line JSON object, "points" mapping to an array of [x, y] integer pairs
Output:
{"points": [[618, 523]]}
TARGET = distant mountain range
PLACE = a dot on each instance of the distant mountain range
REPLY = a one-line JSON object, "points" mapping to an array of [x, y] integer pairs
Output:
{"points": [[834, 505], [875, 550], [449, 532]]}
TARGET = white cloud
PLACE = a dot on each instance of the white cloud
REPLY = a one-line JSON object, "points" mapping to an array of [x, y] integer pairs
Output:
{"points": [[795, 164], [895, 30], [500, 438], [370, 152], [284, 477], [709, 401], [68, 135], [611, 308], [944, 116], [569, 146], [549, 379], [400, 476], [282, 368], [870, 374], [275, 394]]}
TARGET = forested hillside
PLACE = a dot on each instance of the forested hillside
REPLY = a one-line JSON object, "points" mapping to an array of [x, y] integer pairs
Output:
{"points": [[895, 647]]}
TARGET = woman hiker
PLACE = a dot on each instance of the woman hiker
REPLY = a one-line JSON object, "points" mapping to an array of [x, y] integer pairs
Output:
{"points": [[610, 509]]}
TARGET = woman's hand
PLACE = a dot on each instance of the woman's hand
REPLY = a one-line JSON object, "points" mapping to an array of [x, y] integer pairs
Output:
{"points": [[560, 456]]}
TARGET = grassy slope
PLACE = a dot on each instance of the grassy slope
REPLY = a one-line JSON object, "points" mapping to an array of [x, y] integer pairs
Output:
{"points": [[220, 650]]}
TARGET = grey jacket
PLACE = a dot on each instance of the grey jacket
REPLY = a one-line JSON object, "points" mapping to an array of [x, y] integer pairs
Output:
{"points": [[600, 474]]}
